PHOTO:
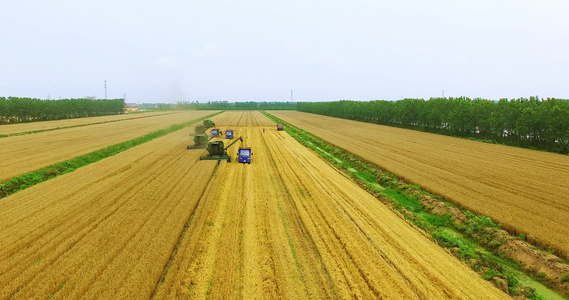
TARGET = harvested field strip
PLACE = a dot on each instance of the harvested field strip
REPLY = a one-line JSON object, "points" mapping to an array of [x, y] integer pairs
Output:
{"points": [[26, 153], [35, 127], [30, 179], [105, 231], [289, 225], [523, 190]]}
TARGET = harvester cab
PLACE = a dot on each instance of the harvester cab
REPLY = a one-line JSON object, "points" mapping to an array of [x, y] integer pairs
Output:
{"points": [[229, 134], [244, 155], [218, 151]]}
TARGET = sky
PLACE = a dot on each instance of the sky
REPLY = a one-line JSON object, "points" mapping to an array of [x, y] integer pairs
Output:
{"points": [[186, 50]]}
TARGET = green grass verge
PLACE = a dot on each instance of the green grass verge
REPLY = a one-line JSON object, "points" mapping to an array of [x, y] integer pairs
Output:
{"points": [[72, 126], [30, 179], [471, 241]]}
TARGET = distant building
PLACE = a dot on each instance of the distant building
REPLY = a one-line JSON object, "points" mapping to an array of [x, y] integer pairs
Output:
{"points": [[130, 107]]}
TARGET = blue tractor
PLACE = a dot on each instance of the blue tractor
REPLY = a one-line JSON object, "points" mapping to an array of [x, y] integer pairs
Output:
{"points": [[229, 134], [215, 132], [244, 155]]}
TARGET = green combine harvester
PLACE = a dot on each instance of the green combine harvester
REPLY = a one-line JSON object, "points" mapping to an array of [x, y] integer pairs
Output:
{"points": [[208, 124], [218, 151], [200, 137]]}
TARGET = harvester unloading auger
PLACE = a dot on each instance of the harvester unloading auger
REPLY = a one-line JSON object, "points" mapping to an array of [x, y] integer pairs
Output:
{"points": [[218, 151], [200, 137]]}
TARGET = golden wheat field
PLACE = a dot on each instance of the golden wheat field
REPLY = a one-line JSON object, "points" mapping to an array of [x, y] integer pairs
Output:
{"points": [[156, 222], [8, 129], [524, 190], [26, 153]]}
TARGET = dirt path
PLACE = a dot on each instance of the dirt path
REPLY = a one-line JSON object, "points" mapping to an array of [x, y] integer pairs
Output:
{"points": [[26, 153], [522, 189], [290, 226]]}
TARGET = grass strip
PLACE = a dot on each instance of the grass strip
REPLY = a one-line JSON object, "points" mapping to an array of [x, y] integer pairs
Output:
{"points": [[73, 126], [473, 240], [30, 179]]}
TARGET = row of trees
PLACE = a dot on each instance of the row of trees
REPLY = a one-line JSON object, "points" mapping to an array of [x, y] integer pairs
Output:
{"points": [[533, 123], [16, 110], [225, 105]]}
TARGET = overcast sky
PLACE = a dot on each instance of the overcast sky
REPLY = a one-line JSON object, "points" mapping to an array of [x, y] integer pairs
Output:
{"points": [[171, 50]]}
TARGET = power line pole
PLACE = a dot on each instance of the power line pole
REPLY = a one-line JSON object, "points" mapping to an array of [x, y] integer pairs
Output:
{"points": [[105, 90]]}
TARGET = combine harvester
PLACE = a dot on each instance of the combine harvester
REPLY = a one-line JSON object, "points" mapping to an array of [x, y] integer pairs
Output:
{"points": [[218, 151], [280, 127], [200, 137], [208, 123]]}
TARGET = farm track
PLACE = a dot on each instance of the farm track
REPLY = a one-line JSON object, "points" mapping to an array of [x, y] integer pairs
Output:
{"points": [[286, 226], [9, 129], [26, 153], [523, 190]]}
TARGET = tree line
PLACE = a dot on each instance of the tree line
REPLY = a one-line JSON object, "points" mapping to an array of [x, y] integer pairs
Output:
{"points": [[532, 123], [226, 105], [17, 110]]}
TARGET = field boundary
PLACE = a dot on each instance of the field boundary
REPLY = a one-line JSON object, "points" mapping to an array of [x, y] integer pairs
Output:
{"points": [[30, 179], [73, 126], [474, 239]]}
